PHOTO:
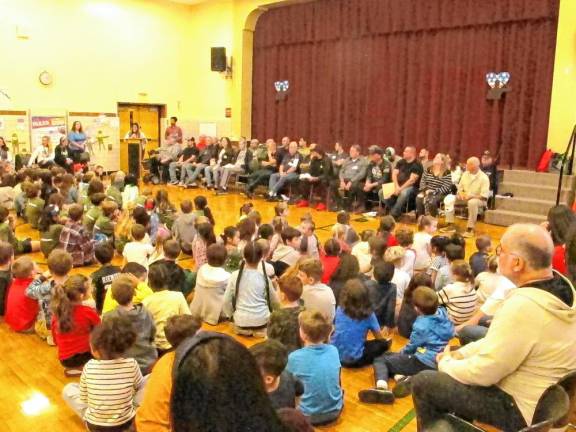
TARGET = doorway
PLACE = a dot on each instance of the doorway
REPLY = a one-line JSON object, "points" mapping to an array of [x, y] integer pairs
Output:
{"points": [[148, 118]]}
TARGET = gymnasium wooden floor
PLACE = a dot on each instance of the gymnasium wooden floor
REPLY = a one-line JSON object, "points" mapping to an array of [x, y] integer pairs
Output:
{"points": [[31, 378]]}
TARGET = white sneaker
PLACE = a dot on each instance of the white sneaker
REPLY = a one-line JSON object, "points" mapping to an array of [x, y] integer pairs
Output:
{"points": [[399, 377], [381, 385], [284, 197]]}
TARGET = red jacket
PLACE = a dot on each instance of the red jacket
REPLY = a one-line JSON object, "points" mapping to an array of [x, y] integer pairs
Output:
{"points": [[21, 310], [77, 340], [330, 264]]}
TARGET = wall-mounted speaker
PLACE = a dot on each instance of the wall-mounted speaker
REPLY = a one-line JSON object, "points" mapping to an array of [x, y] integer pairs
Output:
{"points": [[218, 59]]}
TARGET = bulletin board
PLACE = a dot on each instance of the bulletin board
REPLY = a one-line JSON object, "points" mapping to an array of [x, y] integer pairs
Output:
{"points": [[103, 132], [15, 129], [47, 123]]}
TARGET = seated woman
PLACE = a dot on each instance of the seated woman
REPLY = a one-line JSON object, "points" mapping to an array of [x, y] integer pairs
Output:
{"points": [[42, 155], [239, 166], [62, 155], [560, 222], [435, 185]]}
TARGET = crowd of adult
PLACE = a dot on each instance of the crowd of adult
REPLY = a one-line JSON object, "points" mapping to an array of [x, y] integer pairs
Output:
{"points": [[299, 172]]}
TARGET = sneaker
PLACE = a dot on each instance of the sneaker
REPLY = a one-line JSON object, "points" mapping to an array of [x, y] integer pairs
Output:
{"points": [[403, 388], [374, 396], [469, 233], [181, 184], [321, 207], [284, 198], [302, 203], [192, 185], [173, 183]]}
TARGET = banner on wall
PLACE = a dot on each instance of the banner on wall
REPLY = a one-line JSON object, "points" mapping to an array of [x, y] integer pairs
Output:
{"points": [[53, 126], [15, 129], [103, 132]]}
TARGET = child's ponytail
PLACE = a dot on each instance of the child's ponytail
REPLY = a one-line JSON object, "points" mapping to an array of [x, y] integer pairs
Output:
{"points": [[64, 298]]}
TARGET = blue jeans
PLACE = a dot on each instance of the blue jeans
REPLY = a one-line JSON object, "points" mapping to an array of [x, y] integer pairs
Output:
{"points": [[194, 171], [397, 204], [472, 333], [211, 175], [277, 181]]}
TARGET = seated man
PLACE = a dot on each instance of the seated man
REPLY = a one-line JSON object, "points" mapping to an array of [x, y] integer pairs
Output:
{"points": [[183, 162], [161, 160], [473, 190], [406, 177], [489, 167], [529, 346], [379, 171], [319, 174], [288, 171], [207, 156], [351, 177]]}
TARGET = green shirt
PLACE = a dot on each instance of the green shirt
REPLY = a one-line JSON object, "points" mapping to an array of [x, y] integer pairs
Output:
{"points": [[7, 235], [33, 211], [50, 239], [104, 225], [115, 195], [90, 218]]}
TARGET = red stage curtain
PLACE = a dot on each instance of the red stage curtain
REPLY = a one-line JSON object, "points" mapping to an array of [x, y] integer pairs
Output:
{"points": [[408, 72]]}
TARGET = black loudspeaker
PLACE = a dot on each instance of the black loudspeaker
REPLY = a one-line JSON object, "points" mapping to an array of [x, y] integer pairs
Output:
{"points": [[134, 159], [218, 63]]}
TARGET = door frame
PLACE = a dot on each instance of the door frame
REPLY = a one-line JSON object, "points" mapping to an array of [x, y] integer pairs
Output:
{"points": [[161, 113]]}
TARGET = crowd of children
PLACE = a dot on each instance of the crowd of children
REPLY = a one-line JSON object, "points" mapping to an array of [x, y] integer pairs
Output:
{"points": [[315, 302]]}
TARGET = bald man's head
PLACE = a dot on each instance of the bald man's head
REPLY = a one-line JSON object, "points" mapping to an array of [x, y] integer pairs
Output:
{"points": [[530, 242]]}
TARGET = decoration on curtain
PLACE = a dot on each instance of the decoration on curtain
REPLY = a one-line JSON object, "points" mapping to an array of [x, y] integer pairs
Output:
{"points": [[497, 83], [281, 89]]}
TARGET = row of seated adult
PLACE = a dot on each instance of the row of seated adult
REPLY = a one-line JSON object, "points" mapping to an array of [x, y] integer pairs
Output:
{"points": [[351, 181]]}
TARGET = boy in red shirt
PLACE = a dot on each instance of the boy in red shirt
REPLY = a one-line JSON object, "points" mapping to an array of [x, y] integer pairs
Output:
{"points": [[21, 310]]}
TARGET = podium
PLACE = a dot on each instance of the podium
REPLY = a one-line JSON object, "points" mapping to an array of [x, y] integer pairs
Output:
{"points": [[130, 152]]}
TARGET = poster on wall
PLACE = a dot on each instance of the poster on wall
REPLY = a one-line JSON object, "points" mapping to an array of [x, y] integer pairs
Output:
{"points": [[103, 132], [14, 128], [53, 126]]}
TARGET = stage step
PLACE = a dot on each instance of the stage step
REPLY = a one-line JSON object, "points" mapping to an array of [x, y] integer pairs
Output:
{"points": [[535, 191], [524, 205], [542, 179], [507, 218]]}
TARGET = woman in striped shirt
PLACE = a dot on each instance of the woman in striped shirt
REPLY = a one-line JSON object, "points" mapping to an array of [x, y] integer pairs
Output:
{"points": [[105, 397], [459, 297], [436, 183]]}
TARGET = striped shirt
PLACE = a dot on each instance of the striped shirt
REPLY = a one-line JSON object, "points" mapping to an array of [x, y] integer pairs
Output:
{"points": [[441, 185], [108, 387], [460, 301]]}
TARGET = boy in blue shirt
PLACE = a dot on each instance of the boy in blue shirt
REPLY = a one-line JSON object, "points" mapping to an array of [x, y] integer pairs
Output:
{"points": [[317, 365], [431, 333]]}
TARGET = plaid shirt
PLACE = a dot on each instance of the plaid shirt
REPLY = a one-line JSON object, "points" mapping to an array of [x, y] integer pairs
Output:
{"points": [[78, 242]]}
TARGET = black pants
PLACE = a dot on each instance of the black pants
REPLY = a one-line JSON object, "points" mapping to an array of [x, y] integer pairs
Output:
{"points": [[372, 349], [345, 199], [436, 394], [76, 360], [257, 178], [159, 169]]}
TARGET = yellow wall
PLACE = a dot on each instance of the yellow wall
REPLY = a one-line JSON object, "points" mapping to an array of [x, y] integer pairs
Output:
{"points": [[563, 107], [101, 52]]}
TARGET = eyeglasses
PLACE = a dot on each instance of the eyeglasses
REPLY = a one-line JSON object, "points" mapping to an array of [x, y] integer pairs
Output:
{"points": [[498, 251]]}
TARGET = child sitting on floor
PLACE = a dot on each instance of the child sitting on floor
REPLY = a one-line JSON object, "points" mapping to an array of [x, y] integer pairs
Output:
{"points": [[21, 246], [143, 349], [34, 205], [361, 251], [204, 238], [250, 297], [330, 259], [317, 365], [406, 240], [288, 252], [354, 319], [309, 244], [106, 396], [137, 250], [282, 387], [479, 259], [283, 325], [43, 287], [72, 323], [176, 274], [74, 238], [350, 236], [383, 294], [426, 228], [163, 304], [438, 246], [459, 297], [184, 227], [452, 252], [142, 288], [21, 311], [401, 279], [202, 209], [103, 277], [315, 294], [431, 333], [211, 282], [386, 230], [6, 257], [106, 223], [154, 412]]}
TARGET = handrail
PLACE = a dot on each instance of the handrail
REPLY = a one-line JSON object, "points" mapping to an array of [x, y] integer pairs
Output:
{"points": [[569, 149]]}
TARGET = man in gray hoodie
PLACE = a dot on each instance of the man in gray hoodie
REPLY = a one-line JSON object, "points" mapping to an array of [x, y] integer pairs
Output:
{"points": [[351, 176]]}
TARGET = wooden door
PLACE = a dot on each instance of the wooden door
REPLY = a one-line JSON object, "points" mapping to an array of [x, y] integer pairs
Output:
{"points": [[148, 117]]}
